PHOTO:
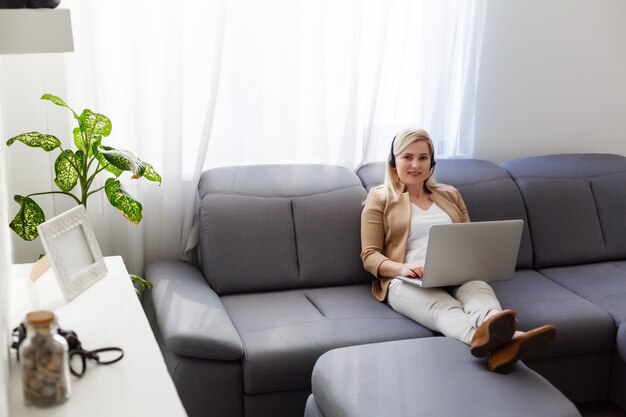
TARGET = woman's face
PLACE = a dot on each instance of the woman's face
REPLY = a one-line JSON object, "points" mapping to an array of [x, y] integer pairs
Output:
{"points": [[413, 164]]}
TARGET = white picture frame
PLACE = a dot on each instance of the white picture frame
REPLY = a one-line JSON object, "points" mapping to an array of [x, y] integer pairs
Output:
{"points": [[71, 245]]}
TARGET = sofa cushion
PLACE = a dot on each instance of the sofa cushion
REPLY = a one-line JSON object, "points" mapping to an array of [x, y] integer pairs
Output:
{"points": [[582, 326], [487, 189], [575, 206], [285, 332], [276, 227], [426, 377], [610, 196], [602, 283]]}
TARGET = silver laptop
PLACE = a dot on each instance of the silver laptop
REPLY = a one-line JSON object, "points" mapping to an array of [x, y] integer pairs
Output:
{"points": [[462, 252]]}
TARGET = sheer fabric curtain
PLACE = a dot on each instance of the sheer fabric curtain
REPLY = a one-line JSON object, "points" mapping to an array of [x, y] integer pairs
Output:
{"points": [[191, 85], [332, 82], [315, 82], [138, 63], [451, 63]]}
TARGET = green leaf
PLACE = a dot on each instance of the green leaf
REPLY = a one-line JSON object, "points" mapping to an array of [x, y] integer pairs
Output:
{"points": [[95, 123], [121, 200], [141, 285], [56, 100], [79, 140], [103, 162], [96, 142], [26, 220], [80, 160], [151, 175], [36, 140], [124, 160], [66, 174]]}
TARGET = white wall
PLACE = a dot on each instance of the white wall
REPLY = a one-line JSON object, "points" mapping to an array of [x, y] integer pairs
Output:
{"points": [[24, 78], [5, 260], [552, 78]]}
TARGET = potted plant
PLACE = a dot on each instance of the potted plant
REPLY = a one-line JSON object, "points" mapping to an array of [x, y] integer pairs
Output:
{"points": [[80, 167]]}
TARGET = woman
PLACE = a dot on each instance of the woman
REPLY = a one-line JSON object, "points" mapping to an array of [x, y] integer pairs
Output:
{"points": [[394, 235]]}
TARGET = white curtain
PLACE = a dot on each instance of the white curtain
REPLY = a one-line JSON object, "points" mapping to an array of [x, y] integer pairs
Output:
{"points": [[191, 85], [450, 73]]}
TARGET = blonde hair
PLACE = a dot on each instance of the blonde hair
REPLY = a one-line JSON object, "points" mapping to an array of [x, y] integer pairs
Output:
{"points": [[393, 187]]}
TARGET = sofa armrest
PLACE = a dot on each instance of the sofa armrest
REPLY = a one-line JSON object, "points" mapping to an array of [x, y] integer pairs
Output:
{"points": [[190, 315]]}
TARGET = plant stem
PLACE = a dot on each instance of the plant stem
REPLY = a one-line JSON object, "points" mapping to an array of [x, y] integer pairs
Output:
{"points": [[93, 176], [84, 191], [89, 164], [84, 183], [57, 192], [95, 191]]}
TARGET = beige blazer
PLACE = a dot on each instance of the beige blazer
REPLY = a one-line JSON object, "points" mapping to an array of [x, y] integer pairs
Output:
{"points": [[385, 227]]}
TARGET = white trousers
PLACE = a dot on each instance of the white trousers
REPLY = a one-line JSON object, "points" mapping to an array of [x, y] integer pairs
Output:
{"points": [[456, 312]]}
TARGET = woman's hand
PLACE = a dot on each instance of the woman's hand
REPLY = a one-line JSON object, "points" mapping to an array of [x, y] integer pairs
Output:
{"points": [[392, 269], [412, 270]]}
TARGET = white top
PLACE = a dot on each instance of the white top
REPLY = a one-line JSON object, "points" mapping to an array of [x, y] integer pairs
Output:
{"points": [[421, 222], [107, 314]]}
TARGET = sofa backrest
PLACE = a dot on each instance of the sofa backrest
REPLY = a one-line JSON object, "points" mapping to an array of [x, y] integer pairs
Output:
{"points": [[575, 205], [274, 227], [487, 189]]}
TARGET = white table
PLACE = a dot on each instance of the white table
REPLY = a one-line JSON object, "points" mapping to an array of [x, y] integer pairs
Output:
{"points": [[106, 314]]}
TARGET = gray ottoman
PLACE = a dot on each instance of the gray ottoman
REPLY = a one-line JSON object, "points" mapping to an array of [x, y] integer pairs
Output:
{"points": [[434, 376]]}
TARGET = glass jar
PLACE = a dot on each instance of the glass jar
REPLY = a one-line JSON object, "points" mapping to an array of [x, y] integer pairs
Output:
{"points": [[44, 361]]}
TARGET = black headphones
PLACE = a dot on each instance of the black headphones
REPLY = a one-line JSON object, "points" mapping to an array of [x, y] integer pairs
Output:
{"points": [[392, 157]]}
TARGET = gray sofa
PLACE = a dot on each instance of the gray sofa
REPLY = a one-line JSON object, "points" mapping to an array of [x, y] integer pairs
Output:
{"points": [[280, 280]]}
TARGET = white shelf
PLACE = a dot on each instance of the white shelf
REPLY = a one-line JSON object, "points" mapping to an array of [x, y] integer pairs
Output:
{"points": [[35, 30], [106, 314]]}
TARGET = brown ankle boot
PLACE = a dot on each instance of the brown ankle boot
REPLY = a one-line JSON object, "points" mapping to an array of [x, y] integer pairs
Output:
{"points": [[521, 347], [493, 333]]}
